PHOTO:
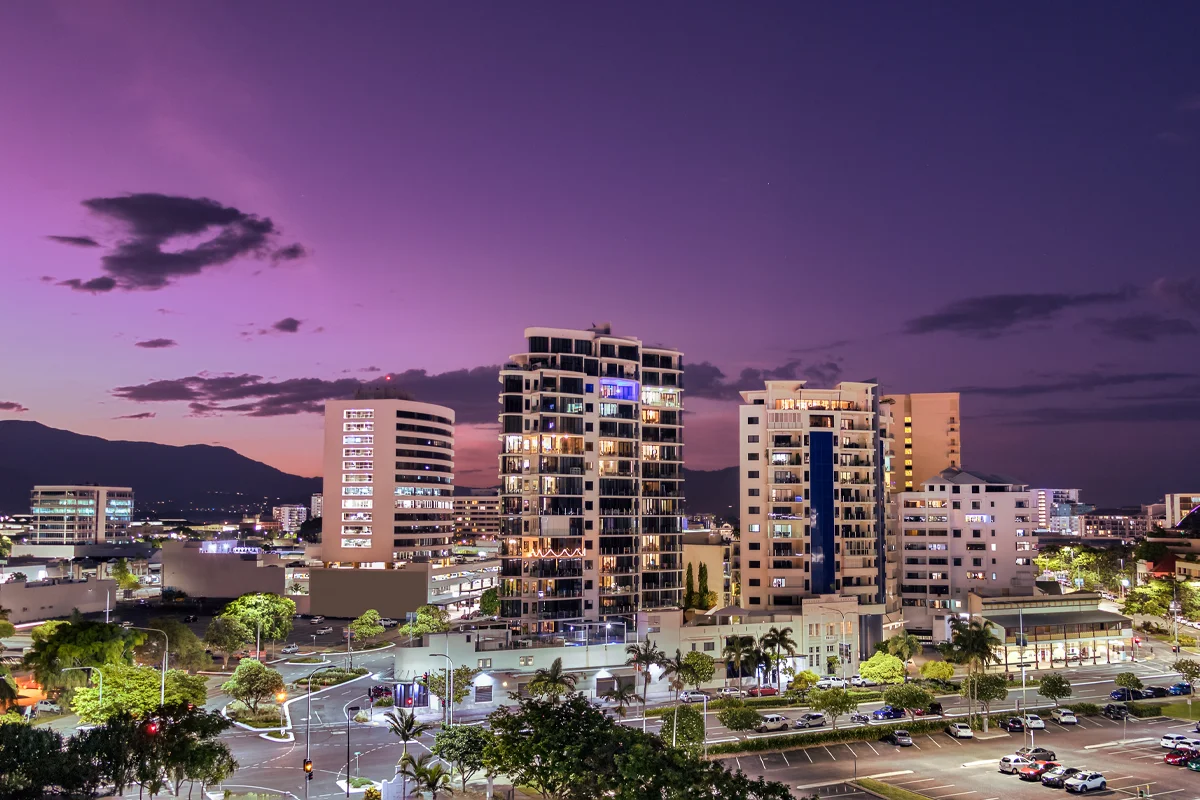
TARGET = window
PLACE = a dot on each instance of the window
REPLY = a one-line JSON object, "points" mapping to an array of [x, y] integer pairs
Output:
{"points": [[755, 601], [752, 474], [755, 564], [351, 477], [352, 544], [358, 439], [356, 504], [751, 420], [357, 465], [975, 534], [752, 456], [755, 582], [357, 491], [485, 663], [974, 490], [358, 452], [778, 583], [752, 438], [954, 490], [976, 562], [483, 694], [350, 427], [753, 509], [755, 545], [957, 533], [974, 505], [755, 528], [709, 647], [753, 492], [526, 661], [956, 505], [358, 413], [958, 562]]}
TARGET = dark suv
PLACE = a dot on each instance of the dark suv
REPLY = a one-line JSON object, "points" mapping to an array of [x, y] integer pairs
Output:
{"points": [[1115, 712]]}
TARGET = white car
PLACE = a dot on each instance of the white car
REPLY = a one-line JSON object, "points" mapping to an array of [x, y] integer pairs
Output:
{"points": [[317, 620], [1064, 716], [858, 680], [1034, 722], [1085, 781], [326, 629], [48, 707], [730, 693], [692, 696], [1174, 740], [832, 683], [291, 648], [1011, 765], [773, 722], [388, 622], [960, 730]]}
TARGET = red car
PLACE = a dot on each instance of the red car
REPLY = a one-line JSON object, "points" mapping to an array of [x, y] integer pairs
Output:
{"points": [[763, 691], [1035, 770], [1180, 757]]}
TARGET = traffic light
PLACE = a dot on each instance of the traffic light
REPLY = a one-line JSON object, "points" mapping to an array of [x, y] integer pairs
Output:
{"points": [[308, 769]]}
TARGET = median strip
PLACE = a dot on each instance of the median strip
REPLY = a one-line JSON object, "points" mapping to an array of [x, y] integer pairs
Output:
{"points": [[1119, 742]]}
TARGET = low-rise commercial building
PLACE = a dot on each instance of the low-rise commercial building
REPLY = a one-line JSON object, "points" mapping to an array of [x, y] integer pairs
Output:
{"points": [[51, 598], [80, 514], [1119, 523], [1053, 631]]}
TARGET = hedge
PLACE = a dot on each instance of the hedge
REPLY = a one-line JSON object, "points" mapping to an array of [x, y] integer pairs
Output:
{"points": [[778, 701], [1087, 709], [888, 790], [1141, 711], [795, 741]]}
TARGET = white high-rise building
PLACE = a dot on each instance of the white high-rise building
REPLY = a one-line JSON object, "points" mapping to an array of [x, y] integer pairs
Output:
{"points": [[963, 532], [1058, 511], [317, 506], [1179, 506], [83, 514], [814, 499], [389, 475], [290, 517], [591, 472]]}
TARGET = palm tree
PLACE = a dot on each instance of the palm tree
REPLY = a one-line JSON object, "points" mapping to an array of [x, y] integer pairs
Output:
{"points": [[973, 644], [737, 650], [553, 682], [675, 670], [425, 775], [783, 641], [623, 695], [644, 655], [406, 728], [904, 646], [8, 691]]}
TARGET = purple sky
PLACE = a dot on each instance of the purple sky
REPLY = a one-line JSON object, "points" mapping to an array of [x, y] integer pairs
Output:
{"points": [[1002, 199]]}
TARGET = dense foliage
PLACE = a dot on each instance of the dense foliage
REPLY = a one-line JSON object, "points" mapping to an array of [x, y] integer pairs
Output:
{"points": [[135, 691]]}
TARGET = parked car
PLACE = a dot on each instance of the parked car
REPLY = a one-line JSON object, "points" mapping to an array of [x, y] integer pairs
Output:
{"points": [[1085, 782], [773, 722], [729, 693], [832, 683], [899, 738], [1037, 754], [1179, 756], [1172, 740], [1013, 725], [960, 730], [858, 680], [380, 690], [388, 622], [1056, 777], [1115, 712], [1155, 691], [317, 620], [692, 696], [1034, 771], [813, 719], [1034, 723], [191, 618], [1010, 765], [1181, 688], [126, 623], [860, 718], [326, 629], [1125, 695], [290, 648], [763, 691], [1065, 716], [888, 712], [935, 709], [48, 707], [1194, 764]]}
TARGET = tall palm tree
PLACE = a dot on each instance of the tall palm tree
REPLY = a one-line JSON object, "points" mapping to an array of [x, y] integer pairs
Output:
{"points": [[783, 642], [973, 644], [674, 669], [406, 728], [644, 655], [738, 649], [553, 682], [425, 775], [904, 646], [623, 695]]}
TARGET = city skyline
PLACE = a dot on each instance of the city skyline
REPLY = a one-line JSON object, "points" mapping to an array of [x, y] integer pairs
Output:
{"points": [[214, 220]]}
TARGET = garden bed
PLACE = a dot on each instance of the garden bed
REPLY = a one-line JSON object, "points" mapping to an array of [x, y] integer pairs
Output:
{"points": [[887, 790], [266, 717], [330, 677]]}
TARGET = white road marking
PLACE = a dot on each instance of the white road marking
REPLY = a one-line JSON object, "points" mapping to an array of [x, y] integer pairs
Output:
{"points": [[873, 750], [831, 755], [919, 780], [806, 755], [935, 788], [880, 775], [981, 763], [851, 749], [956, 794], [935, 741], [785, 759]]}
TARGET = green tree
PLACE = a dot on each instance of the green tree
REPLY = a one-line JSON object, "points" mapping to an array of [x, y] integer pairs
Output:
{"points": [[1055, 687], [985, 689], [973, 645], [227, 635], [463, 747], [699, 668], [188, 746], [77, 643], [832, 664], [689, 591], [28, 761], [425, 775], [489, 602], [940, 671], [1128, 680], [268, 613], [778, 641], [683, 727], [464, 679], [643, 656], [8, 689], [99, 756], [186, 649], [675, 671], [904, 646], [622, 696], [125, 579], [908, 696], [802, 682], [1189, 669], [704, 598], [738, 651], [737, 716], [552, 681], [883, 668], [253, 682], [405, 727], [834, 702], [367, 626], [5, 546], [135, 691]]}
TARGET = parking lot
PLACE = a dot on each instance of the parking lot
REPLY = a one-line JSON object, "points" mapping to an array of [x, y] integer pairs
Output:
{"points": [[944, 768]]}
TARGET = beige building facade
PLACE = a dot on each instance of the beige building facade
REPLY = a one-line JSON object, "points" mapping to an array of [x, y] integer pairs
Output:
{"points": [[928, 429], [1179, 506]]}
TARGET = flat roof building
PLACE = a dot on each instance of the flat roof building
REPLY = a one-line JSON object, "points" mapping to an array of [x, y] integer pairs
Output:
{"points": [[928, 435], [80, 514]]}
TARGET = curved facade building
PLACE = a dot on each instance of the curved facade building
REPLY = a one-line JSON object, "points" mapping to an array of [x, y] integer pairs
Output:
{"points": [[389, 482]]}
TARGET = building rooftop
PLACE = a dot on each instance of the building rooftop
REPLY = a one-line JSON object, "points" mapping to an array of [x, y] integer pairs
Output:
{"points": [[1009, 620], [957, 475]]}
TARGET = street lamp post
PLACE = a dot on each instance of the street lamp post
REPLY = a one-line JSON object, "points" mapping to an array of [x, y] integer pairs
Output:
{"points": [[308, 726], [162, 691], [280, 697], [449, 687], [89, 670]]}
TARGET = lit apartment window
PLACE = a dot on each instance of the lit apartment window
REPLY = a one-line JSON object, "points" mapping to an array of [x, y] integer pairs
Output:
{"points": [[356, 504], [755, 528], [353, 477], [358, 439], [357, 465], [778, 583], [357, 491], [358, 413], [526, 661], [356, 516], [484, 663], [358, 452], [356, 530], [355, 543], [351, 427]]}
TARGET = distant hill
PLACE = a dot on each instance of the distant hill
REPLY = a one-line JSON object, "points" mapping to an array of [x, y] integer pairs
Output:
{"points": [[165, 477]]}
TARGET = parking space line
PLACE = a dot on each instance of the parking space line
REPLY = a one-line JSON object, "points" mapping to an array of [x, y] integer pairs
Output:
{"points": [[914, 745], [918, 780], [956, 741], [935, 788], [873, 750], [785, 759], [956, 794], [806, 755], [935, 741], [764, 763], [851, 749], [831, 755]]}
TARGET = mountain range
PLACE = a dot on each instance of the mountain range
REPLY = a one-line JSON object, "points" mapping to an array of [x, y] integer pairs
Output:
{"points": [[199, 481]]}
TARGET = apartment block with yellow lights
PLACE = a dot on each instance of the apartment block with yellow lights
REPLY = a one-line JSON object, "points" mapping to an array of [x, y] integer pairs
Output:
{"points": [[928, 437]]}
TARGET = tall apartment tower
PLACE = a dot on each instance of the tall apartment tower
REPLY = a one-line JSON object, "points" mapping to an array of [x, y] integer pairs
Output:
{"points": [[814, 499], [591, 479], [389, 475], [928, 437]]}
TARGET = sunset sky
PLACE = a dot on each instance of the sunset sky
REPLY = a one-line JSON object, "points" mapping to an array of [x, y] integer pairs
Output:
{"points": [[214, 216]]}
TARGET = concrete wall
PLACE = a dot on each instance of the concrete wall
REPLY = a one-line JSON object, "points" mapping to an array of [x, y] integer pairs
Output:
{"points": [[350, 592], [31, 602], [221, 575], [712, 556]]}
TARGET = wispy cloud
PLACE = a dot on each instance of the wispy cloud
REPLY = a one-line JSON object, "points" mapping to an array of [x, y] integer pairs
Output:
{"points": [[1082, 382], [996, 314], [11, 406], [1145, 328], [156, 344]]}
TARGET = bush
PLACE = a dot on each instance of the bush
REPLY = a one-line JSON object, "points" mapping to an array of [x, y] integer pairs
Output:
{"points": [[862, 733], [266, 717], [385, 702], [330, 677], [1143, 710], [306, 660], [359, 782], [1086, 709], [372, 793], [1187, 641]]}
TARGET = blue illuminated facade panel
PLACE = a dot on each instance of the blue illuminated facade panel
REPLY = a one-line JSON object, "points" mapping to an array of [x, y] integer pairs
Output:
{"points": [[823, 524]]}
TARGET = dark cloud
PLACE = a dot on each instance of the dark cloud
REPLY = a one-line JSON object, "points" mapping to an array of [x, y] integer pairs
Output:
{"points": [[9, 405], [47, 279], [287, 325], [151, 221], [1146, 328], [1170, 411], [370, 369], [1083, 382], [155, 344], [992, 315], [95, 285], [143, 415], [1182, 294], [470, 392], [77, 241], [706, 380]]}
